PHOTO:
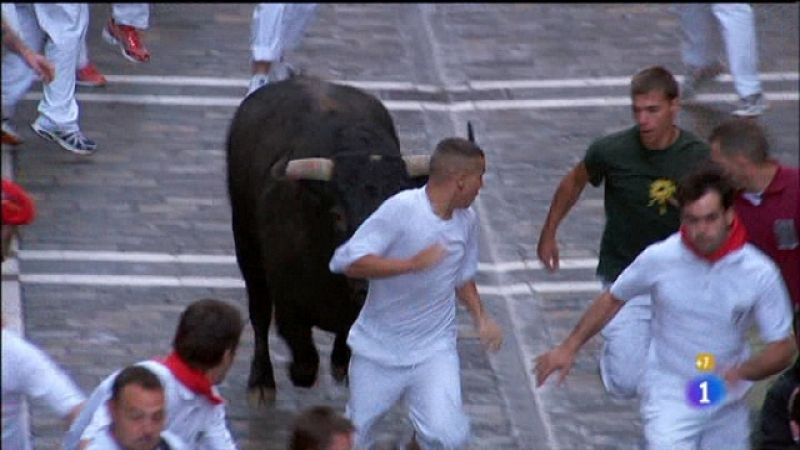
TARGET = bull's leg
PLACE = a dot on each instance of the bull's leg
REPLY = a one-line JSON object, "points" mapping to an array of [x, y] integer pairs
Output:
{"points": [[305, 359], [261, 383], [340, 357]]}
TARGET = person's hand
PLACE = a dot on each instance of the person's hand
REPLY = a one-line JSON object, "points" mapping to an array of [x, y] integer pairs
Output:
{"points": [[733, 376], [559, 358], [547, 251], [41, 65], [490, 333], [427, 257]]}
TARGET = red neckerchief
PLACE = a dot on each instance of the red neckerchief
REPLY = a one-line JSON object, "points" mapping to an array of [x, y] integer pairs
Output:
{"points": [[195, 380], [735, 240], [18, 208]]}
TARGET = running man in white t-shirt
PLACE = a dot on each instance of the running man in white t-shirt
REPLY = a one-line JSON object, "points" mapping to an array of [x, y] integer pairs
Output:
{"points": [[29, 372], [419, 251], [708, 287]]}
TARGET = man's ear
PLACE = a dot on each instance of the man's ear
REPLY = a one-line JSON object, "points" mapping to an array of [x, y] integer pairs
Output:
{"points": [[110, 405], [729, 215]]}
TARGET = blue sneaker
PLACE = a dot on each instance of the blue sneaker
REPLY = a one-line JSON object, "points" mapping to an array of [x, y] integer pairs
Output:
{"points": [[72, 141]]}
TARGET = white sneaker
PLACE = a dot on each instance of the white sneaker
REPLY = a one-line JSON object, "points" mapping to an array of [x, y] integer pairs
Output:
{"points": [[751, 106], [259, 80], [280, 71]]}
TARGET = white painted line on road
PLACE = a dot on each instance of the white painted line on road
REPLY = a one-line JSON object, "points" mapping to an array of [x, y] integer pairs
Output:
{"points": [[477, 85], [504, 267], [132, 281], [513, 289], [238, 283], [405, 105], [542, 287], [604, 81], [561, 287], [143, 257], [150, 99], [135, 257]]}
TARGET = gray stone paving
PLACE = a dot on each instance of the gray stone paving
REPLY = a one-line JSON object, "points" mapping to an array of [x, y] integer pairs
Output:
{"points": [[157, 185]]}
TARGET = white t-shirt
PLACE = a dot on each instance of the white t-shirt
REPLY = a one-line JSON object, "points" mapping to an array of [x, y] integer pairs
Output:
{"points": [[700, 307], [27, 371], [408, 317], [104, 441], [190, 417]]}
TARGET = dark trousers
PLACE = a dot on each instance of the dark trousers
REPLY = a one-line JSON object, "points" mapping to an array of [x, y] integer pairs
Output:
{"points": [[773, 431]]}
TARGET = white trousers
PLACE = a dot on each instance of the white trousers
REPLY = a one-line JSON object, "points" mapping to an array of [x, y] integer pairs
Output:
{"points": [[432, 391], [627, 341], [736, 22], [136, 15], [57, 29], [676, 425], [278, 27]]}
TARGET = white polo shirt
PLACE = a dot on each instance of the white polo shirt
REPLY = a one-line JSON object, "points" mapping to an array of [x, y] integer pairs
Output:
{"points": [[703, 307], [27, 371], [408, 317], [190, 417]]}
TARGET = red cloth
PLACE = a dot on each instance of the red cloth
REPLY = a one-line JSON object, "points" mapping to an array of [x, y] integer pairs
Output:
{"points": [[194, 380], [18, 208], [735, 240], [780, 201]]}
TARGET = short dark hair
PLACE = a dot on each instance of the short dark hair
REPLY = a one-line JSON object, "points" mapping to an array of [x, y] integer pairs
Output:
{"points": [[314, 428], [707, 177], [741, 136], [207, 329], [654, 78], [449, 151], [138, 375]]}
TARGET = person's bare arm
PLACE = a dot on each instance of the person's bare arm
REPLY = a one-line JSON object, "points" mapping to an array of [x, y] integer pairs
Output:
{"points": [[490, 333], [73, 413], [373, 266], [37, 62], [567, 193], [773, 358], [602, 309]]}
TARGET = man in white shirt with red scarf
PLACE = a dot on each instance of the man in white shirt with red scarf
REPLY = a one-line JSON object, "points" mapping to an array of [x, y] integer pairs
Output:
{"points": [[203, 350], [708, 287]]}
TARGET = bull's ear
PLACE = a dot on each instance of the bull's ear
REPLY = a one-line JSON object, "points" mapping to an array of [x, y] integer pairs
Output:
{"points": [[278, 170], [417, 165], [470, 132], [320, 169]]}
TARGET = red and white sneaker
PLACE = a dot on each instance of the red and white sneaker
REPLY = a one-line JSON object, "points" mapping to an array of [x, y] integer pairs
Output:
{"points": [[88, 75], [10, 134], [127, 38]]}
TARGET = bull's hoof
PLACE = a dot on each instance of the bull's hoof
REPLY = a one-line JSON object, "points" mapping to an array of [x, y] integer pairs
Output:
{"points": [[262, 397], [302, 375], [339, 373]]}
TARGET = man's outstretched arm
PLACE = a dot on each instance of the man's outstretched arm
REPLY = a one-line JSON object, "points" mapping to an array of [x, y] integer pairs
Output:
{"points": [[561, 357]]}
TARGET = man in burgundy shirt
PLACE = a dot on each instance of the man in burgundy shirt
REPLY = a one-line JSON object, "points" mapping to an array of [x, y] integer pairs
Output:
{"points": [[769, 207]]}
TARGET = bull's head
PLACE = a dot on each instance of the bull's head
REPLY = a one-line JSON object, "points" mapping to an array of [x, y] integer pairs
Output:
{"points": [[360, 183]]}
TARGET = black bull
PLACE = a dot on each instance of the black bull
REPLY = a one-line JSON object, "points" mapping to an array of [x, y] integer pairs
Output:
{"points": [[290, 211]]}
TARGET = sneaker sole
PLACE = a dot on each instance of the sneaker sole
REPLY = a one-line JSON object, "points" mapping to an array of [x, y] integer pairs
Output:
{"points": [[110, 39], [53, 138], [754, 113]]}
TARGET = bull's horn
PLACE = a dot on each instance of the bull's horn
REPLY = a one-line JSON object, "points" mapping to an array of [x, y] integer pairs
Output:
{"points": [[320, 169], [417, 165]]}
